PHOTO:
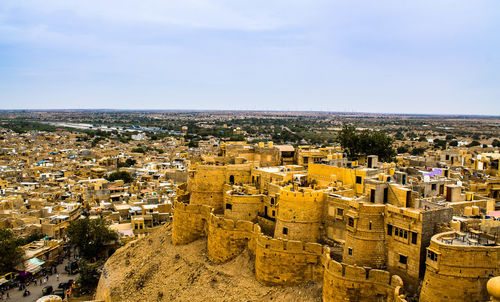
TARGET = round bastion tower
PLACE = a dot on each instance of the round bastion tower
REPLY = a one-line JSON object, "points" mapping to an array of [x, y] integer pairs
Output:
{"points": [[299, 214], [365, 237], [493, 287]]}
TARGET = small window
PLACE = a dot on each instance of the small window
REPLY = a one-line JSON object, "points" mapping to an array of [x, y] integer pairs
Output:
{"points": [[351, 222], [370, 225], [403, 259], [389, 229], [229, 206], [340, 212], [349, 251], [274, 213], [272, 200], [433, 187], [406, 234], [285, 231], [414, 237], [432, 256], [359, 180]]}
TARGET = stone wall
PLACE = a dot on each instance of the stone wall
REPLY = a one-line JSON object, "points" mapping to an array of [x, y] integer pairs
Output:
{"points": [[343, 282], [206, 186], [300, 215], [227, 238], [189, 223], [458, 272], [242, 207], [286, 262], [365, 238]]}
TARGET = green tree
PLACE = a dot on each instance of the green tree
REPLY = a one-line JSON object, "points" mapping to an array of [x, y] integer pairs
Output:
{"points": [[474, 144], [417, 151], [90, 236], [139, 150], [128, 163], [193, 144], [88, 277], [123, 175], [366, 143], [10, 253], [349, 140], [402, 149], [495, 143], [453, 143], [439, 143]]}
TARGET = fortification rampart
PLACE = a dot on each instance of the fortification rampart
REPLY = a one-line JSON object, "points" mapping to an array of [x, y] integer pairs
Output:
{"points": [[189, 223], [227, 238], [365, 237], [286, 262], [300, 215], [343, 282], [242, 207], [465, 268]]}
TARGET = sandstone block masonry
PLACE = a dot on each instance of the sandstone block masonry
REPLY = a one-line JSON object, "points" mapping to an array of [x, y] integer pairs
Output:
{"points": [[343, 282], [282, 261], [189, 223], [227, 238]]}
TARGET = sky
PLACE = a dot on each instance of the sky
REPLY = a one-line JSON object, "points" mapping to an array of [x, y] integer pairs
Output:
{"points": [[421, 56]]}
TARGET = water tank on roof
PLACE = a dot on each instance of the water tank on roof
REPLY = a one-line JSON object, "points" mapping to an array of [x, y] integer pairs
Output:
{"points": [[468, 211], [475, 210], [455, 225]]}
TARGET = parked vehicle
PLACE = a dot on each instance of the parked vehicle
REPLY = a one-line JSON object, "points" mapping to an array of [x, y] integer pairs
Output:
{"points": [[47, 290]]}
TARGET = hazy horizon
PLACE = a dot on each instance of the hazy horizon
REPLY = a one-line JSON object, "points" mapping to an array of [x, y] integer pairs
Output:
{"points": [[394, 57]]}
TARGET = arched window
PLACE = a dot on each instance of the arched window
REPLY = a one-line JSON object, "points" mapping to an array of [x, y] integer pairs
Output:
{"points": [[272, 200], [231, 179]]}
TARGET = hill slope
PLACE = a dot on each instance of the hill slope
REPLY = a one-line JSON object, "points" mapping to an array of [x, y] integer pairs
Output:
{"points": [[152, 269]]}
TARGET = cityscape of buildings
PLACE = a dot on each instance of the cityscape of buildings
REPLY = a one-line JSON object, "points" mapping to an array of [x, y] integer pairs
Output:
{"points": [[421, 226]]}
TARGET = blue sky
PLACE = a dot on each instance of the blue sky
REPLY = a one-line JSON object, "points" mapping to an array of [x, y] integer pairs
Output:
{"points": [[366, 56]]}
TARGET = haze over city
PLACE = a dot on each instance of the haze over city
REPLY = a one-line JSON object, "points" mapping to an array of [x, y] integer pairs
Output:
{"points": [[438, 57]]}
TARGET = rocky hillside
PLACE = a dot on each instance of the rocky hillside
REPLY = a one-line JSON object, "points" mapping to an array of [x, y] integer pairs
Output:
{"points": [[152, 269]]}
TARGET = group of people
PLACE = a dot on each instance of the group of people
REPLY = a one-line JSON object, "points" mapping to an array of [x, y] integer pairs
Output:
{"points": [[4, 293]]}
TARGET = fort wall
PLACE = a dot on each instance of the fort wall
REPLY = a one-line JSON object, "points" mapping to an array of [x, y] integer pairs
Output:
{"points": [[463, 268], [343, 282], [227, 238], [365, 237], [189, 222], [300, 215], [206, 186], [286, 262], [242, 207]]}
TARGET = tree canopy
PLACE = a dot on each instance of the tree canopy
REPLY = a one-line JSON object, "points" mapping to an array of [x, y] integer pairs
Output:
{"points": [[10, 252], [90, 236], [366, 143], [123, 175]]}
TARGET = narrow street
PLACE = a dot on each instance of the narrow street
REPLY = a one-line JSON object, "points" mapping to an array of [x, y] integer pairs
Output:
{"points": [[36, 291]]}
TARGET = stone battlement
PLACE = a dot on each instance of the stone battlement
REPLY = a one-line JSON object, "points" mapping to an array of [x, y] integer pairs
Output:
{"points": [[189, 223], [344, 282], [285, 193], [230, 224], [412, 213], [282, 261]]}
